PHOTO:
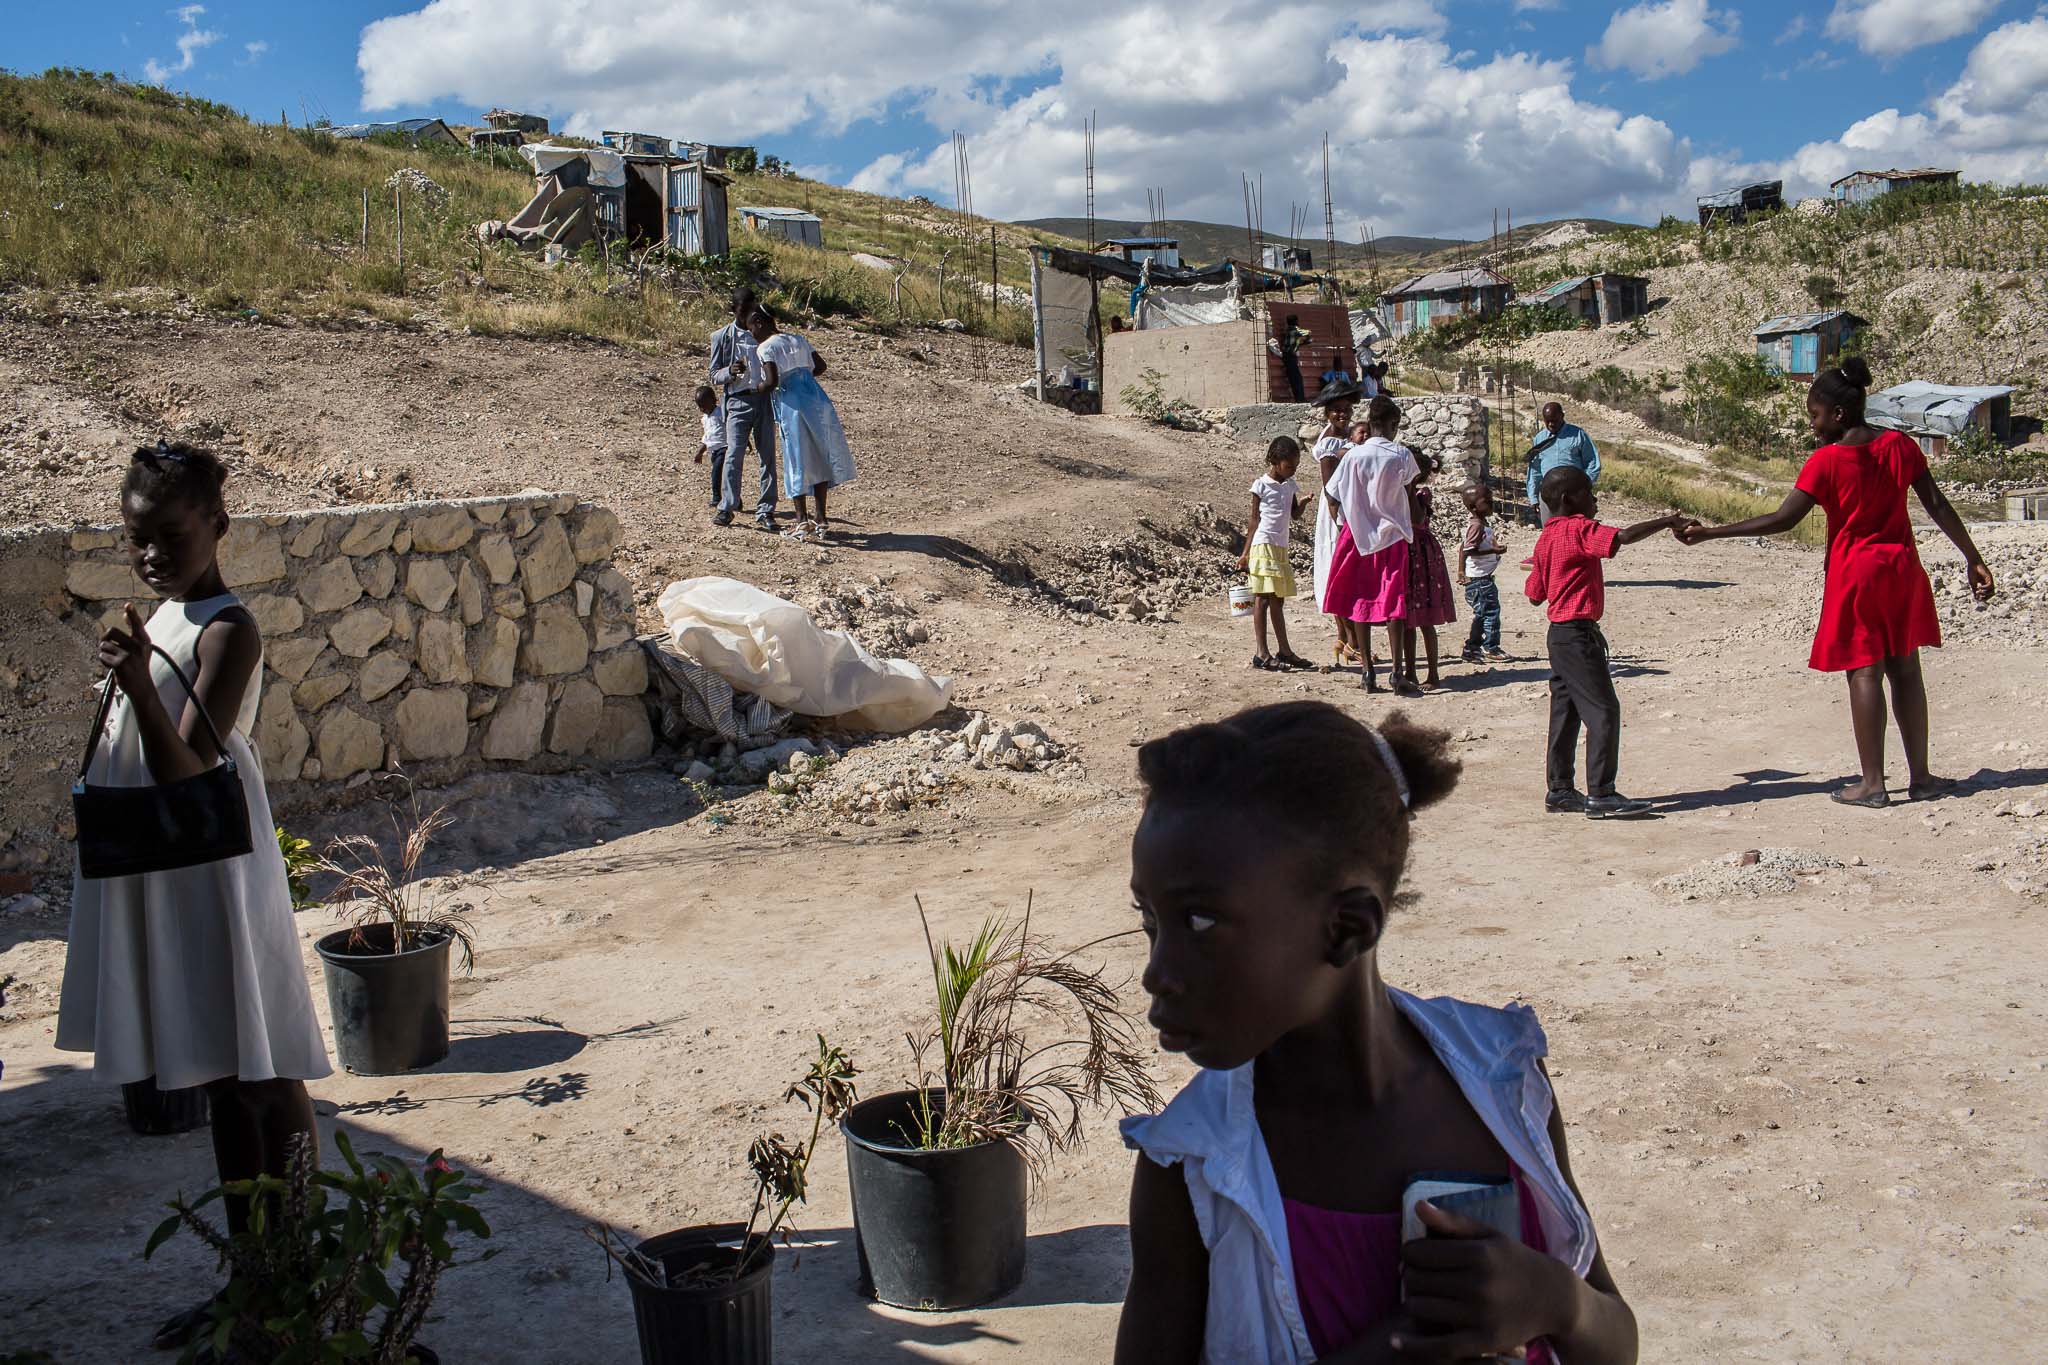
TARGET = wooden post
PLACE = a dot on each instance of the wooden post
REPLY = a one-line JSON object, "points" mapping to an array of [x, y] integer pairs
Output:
{"points": [[398, 215], [366, 218], [992, 276], [1037, 324]]}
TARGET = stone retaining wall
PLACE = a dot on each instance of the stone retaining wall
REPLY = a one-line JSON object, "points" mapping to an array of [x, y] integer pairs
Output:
{"points": [[437, 636], [1450, 428]]}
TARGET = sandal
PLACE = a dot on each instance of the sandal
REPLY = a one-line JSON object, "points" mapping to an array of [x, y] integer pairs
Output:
{"points": [[1264, 664], [1933, 789], [1293, 660], [1876, 801]]}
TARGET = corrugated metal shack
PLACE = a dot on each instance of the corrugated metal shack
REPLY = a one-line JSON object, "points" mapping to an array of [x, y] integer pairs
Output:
{"points": [[413, 130], [496, 137], [794, 225], [1598, 299], [1804, 344], [1274, 256], [1860, 187], [1733, 206], [1935, 414], [1441, 295], [515, 122]]}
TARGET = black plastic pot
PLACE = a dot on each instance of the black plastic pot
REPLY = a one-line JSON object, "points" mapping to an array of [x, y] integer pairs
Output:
{"points": [[935, 1230], [720, 1324], [390, 1009], [158, 1113]]}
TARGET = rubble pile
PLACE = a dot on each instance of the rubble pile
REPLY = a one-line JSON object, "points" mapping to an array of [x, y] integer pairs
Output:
{"points": [[1148, 575], [1754, 872], [870, 613], [420, 183]]}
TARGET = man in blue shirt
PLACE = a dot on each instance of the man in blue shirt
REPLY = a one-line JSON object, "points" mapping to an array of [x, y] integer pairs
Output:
{"points": [[1562, 446], [733, 374]]}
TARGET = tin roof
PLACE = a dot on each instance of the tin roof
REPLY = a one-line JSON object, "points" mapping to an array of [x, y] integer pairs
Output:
{"points": [[1722, 199], [1934, 409], [413, 126], [1801, 322], [1445, 281], [783, 215], [1141, 241], [1917, 173]]}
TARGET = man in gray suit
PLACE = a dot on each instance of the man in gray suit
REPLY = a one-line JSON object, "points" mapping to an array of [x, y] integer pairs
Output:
{"points": [[734, 374]]}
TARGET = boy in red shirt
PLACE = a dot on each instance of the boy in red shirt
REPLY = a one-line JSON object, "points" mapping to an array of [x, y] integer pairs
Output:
{"points": [[1567, 576]]}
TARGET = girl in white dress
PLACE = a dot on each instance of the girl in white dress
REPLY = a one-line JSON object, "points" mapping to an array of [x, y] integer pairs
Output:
{"points": [[815, 455], [1336, 401], [192, 976]]}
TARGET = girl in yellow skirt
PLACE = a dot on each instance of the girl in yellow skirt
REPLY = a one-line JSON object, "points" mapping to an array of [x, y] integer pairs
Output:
{"points": [[1276, 502]]}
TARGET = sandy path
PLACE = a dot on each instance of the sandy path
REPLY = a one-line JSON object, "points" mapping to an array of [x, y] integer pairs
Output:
{"points": [[1808, 1121]]}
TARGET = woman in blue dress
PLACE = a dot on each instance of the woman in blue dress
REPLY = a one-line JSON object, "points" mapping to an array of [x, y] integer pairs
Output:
{"points": [[815, 456]]}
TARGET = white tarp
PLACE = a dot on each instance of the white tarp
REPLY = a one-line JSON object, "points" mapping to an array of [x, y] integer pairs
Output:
{"points": [[607, 168], [768, 647], [1193, 305], [1366, 329]]}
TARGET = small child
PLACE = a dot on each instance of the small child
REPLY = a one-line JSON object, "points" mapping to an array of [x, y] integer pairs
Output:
{"points": [[1430, 600], [1276, 502], [1567, 577], [1478, 560], [713, 441], [1268, 1198]]}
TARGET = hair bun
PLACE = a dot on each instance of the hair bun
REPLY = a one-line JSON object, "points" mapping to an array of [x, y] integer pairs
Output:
{"points": [[1857, 371]]}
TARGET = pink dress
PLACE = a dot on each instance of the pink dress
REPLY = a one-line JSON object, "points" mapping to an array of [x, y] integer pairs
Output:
{"points": [[1431, 600], [1368, 588], [1347, 1270]]}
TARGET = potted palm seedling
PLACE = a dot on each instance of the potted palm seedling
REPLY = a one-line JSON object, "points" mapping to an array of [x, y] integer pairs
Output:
{"points": [[387, 971], [1023, 1043], [704, 1295]]}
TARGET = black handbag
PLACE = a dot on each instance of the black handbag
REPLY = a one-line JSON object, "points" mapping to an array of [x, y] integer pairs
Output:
{"points": [[124, 831]]}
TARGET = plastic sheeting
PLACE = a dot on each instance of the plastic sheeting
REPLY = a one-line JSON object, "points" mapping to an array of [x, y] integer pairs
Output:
{"points": [[1190, 306], [606, 168], [1067, 303], [763, 645]]}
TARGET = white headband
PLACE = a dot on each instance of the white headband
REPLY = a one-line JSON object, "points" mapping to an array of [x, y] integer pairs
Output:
{"points": [[1393, 764]]}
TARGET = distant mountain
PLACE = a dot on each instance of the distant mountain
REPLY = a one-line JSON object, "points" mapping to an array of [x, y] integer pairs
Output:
{"points": [[1207, 243]]}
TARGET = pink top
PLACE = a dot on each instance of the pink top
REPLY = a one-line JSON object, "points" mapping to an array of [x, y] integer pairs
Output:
{"points": [[1347, 1269]]}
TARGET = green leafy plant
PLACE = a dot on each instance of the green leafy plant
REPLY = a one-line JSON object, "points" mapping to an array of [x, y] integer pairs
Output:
{"points": [[1147, 399], [325, 1253], [998, 1078], [300, 862], [781, 1181], [1823, 290], [370, 890]]}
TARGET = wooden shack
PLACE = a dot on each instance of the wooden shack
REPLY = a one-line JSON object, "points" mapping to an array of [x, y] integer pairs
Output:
{"points": [[1736, 205], [1803, 344], [1598, 299], [1421, 303], [1860, 187]]}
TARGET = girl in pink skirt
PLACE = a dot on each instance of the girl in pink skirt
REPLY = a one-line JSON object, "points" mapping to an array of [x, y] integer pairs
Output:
{"points": [[1430, 600], [1368, 578]]}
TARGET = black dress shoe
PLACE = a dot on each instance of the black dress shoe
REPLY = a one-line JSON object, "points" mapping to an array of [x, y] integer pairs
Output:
{"points": [[1570, 801], [1612, 805]]}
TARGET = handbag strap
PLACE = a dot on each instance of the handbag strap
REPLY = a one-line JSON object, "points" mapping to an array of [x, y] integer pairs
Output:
{"points": [[107, 689]]}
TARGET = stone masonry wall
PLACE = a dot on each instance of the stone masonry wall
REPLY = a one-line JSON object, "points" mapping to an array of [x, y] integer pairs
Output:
{"points": [[437, 636], [1450, 428]]}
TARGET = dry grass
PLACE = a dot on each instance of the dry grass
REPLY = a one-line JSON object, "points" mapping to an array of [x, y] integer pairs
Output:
{"points": [[369, 890]]}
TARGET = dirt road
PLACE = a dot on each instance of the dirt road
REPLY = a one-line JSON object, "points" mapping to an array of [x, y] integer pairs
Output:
{"points": [[1804, 1096]]}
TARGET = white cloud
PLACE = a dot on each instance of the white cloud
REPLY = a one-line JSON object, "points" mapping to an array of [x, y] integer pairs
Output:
{"points": [[252, 53], [1669, 39], [1888, 28], [1424, 138], [1792, 30], [190, 43]]}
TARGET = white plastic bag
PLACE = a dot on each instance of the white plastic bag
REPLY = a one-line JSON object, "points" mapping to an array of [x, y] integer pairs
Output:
{"points": [[761, 644]]}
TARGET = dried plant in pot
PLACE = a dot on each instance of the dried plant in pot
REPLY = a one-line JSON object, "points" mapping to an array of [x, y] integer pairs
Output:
{"points": [[704, 1295], [387, 971], [1024, 1042]]}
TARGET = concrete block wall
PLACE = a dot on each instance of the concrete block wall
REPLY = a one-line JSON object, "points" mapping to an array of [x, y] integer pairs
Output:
{"points": [[1217, 365], [435, 636]]}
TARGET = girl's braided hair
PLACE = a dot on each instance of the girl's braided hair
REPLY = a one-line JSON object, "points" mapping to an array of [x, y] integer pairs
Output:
{"points": [[1314, 767], [173, 469]]}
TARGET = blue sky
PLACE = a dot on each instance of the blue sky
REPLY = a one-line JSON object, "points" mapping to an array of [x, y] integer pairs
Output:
{"points": [[1439, 112]]}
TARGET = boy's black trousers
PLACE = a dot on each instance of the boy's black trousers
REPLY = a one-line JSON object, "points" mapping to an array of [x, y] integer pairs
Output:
{"points": [[1582, 692]]}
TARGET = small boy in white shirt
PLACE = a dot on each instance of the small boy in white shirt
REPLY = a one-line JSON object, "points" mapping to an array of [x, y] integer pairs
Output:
{"points": [[713, 441], [1478, 561], [1276, 502]]}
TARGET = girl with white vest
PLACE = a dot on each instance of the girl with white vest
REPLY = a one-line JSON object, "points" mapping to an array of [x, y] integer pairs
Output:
{"points": [[1266, 1209]]}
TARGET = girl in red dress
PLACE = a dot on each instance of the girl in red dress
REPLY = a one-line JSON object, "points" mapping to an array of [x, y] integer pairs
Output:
{"points": [[1877, 609]]}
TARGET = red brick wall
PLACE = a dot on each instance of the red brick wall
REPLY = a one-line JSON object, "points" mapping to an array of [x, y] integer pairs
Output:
{"points": [[1329, 326]]}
